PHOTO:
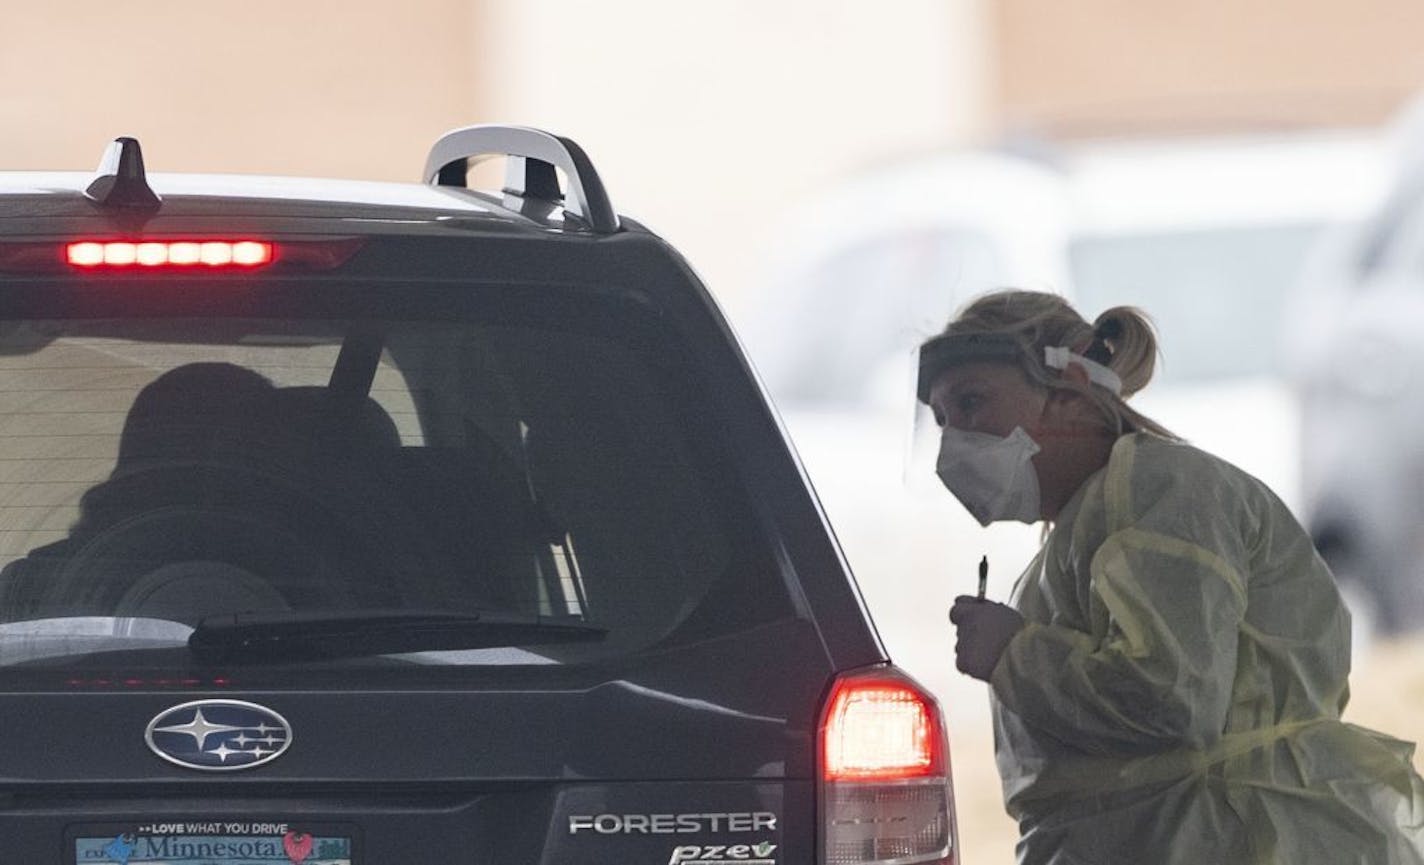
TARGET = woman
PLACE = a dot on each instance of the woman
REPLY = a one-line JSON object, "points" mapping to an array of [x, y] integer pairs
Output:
{"points": [[1167, 685]]}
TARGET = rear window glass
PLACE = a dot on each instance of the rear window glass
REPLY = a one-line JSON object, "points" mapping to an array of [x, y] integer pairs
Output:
{"points": [[500, 482]]}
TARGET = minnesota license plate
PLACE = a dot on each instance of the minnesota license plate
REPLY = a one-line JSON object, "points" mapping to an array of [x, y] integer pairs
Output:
{"points": [[222, 842]]}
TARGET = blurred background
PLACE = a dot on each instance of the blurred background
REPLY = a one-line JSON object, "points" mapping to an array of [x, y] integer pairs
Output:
{"points": [[844, 175]]}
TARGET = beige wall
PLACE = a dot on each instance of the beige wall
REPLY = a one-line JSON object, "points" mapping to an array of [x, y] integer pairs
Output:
{"points": [[709, 118], [1169, 66], [350, 88], [706, 117]]}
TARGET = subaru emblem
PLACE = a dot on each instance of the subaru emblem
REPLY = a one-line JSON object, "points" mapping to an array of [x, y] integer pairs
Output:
{"points": [[219, 735]]}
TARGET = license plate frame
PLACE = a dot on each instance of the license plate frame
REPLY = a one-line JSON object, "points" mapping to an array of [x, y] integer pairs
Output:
{"points": [[234, 841]]}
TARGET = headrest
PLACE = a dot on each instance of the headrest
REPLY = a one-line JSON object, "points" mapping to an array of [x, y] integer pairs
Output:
{"points": [[198, 411]]}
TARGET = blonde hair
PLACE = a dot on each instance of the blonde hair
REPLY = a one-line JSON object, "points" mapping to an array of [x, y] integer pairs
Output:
{"points": [[1122, 339]]}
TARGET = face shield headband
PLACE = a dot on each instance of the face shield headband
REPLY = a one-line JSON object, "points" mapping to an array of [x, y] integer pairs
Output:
{"points": [[951, 349]]}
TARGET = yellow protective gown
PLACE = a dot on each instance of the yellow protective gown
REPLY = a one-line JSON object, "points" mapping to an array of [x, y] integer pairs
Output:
{"points": [[1175, 695]]}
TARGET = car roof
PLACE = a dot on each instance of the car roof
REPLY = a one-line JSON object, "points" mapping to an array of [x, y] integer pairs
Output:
{"points": [[41, 203], [121, 193], [195, 191]]}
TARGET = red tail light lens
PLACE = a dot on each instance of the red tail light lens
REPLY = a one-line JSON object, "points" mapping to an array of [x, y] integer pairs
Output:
{"points": [[178, 253], [886, 795], [880, 731]]}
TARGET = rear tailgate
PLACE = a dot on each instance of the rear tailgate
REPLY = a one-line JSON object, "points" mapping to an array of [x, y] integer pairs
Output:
{"points": [[694, 755]]}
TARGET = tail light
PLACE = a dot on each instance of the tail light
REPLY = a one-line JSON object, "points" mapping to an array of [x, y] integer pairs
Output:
{"points": [[886, 795], [176, 256], [157, 253]]}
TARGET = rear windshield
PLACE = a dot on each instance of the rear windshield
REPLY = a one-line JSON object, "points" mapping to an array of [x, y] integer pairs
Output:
{"points": [[450, 475]]}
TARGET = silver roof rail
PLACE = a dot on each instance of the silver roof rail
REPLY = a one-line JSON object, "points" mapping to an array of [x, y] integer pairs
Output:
{"points": [[529, 173]]}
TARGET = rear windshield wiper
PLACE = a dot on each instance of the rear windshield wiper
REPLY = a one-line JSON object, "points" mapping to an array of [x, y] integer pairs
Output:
{"points": [[300, 636]]}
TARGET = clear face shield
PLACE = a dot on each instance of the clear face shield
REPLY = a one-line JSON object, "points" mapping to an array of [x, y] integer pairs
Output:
{"points": [[1014, 532], [950, 542], [932, 359], [946, 351]]}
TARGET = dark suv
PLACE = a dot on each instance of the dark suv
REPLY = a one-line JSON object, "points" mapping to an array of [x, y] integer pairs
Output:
{"points": [[382, 524]]}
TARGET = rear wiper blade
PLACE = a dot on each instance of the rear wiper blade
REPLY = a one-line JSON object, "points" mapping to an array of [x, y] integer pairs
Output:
{"points": [[299, 636]]}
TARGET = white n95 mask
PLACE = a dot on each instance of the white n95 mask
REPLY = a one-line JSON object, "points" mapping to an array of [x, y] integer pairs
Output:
{"points": [[992, 477]]}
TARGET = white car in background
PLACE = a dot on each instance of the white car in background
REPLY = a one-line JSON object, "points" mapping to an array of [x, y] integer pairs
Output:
{"points": [[1210, 238], [868, 270], [1207, 236], [1357, 352]]}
